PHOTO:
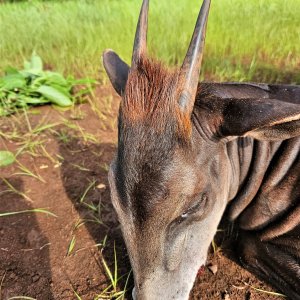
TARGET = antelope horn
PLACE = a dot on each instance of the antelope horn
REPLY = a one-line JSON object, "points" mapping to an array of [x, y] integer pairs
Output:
{"points": [[191, 66], [140, 40]]}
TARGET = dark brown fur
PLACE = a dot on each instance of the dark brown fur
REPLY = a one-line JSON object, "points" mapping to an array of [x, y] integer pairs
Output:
{"points": [[184, 150], [151, 126]]}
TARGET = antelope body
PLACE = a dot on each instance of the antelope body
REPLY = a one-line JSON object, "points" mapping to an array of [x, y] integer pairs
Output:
{"points": [[186, 151]]}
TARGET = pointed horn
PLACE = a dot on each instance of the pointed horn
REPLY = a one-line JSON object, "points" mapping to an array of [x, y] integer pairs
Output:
{"points": [[191, 66], [140, 41]]}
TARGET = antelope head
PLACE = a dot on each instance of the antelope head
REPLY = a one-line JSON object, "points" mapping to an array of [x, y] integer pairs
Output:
{"points": [[171, 178], [161, 202]]}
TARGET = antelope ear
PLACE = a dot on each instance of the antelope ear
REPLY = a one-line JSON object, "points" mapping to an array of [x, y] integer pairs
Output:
{"points": [[116, 69], [263, 119]]}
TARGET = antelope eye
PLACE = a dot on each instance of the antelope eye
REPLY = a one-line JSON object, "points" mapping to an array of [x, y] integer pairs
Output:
{"points": [[198, 205]]}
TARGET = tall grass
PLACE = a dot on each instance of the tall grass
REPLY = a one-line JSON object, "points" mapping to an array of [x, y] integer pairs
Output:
{"points": [[255, 40]]}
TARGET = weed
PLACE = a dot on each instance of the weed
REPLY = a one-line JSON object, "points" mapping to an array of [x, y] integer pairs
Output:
{"points": [[63, 136], [95, 209], [34, 86]]}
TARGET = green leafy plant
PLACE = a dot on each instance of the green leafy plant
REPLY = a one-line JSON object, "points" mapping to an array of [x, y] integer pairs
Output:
{"points": [[35, 86]]}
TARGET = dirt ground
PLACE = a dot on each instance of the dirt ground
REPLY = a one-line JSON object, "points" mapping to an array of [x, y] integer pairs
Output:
{"points": [[46, 257]]}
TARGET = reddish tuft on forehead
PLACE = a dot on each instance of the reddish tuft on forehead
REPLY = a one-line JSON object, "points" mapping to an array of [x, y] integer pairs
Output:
{"points": [[151, 97]]}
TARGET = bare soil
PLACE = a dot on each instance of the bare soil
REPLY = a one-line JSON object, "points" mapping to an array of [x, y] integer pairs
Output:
{"points": [[34, 256]]}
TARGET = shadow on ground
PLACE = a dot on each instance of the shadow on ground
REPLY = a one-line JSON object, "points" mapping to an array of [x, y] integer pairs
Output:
{"points": [[23, 248], [82, 166]]}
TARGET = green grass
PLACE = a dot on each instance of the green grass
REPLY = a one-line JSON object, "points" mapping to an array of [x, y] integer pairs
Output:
{"points": [[246, 40]]}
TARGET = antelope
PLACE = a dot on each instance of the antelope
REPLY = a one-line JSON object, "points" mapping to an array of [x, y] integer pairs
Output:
{"points": [[188, 150]]}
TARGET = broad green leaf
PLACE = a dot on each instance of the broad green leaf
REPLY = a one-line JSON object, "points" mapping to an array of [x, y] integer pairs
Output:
{"points": [[54, 96], [34, 67], [37, 81], [56, 78], [65, 91], [6, 157], [12, 81], [34, 86], [10, 70], [36, 62], [30, 73], [27, 65], [33, 100]]}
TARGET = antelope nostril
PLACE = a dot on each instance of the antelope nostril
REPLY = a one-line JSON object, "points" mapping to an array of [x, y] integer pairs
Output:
{"points": [[133, 294]]}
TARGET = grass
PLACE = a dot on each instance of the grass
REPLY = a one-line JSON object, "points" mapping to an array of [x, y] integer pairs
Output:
{"points": [[112, 291], [12, 189], [265, 291], [26, 172], [21, 298], [35, 210], [71, 245], [29, 138], [246, 40]]}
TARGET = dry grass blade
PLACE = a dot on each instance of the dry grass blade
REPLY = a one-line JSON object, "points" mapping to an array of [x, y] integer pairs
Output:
{"points": [[81, 168], [46, 153], [77, 296], [264, 291], [34, 210], [71, 245], [44, 127], [86, 191], [21, 298], [12, 189], [27, 172], [109, 274]]}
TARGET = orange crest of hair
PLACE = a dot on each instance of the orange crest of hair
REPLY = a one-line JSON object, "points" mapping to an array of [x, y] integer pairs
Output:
{"points": [[151, 97]]}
